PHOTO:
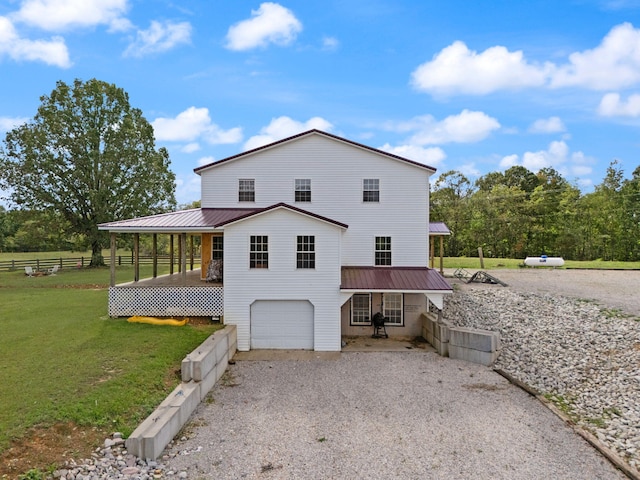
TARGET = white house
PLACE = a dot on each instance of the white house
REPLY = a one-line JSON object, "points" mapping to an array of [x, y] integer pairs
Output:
{"points": [[311, 236]]}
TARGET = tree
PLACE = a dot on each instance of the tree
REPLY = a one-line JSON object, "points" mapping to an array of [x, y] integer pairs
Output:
{"points": [[90, 156]]}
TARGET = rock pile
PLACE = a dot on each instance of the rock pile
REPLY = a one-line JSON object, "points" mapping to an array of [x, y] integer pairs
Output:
{"points": [[111, 461], [584, 358]]}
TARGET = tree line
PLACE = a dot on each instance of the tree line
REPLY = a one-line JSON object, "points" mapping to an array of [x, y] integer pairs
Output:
{"points": [[518, 213]]}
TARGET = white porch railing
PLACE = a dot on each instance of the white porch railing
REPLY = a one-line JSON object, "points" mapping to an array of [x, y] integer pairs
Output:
{"points": [[164, 301]]}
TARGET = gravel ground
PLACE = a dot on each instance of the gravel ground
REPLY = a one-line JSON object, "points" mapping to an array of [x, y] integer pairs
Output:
{"points": [[416, 415], [377, 415]]}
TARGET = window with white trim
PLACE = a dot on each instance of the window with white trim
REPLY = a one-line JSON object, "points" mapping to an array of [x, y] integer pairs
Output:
{"points": [[371, 190], [306, 251], [217, 247], [361, 309], [303, 190], [383, 251], [392, 308], [246, 190], [259, 251]]}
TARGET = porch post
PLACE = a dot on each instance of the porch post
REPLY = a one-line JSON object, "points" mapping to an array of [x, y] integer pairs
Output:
{"points": [[136, 257], [112, 260], [431, 250], [183, 257], [441, 253], [154, 254], [181, 251], [171, 254], [191, 252]]}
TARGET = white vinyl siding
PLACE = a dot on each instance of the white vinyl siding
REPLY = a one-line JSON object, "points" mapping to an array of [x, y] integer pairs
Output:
{"points": [[336, 170], [282, 281]]}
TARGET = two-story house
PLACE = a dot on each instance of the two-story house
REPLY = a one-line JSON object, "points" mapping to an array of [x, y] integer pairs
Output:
{"points": [[310, 236]]}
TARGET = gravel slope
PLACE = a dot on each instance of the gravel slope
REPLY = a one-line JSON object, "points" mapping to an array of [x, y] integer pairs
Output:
{"points": [[377, 415]]}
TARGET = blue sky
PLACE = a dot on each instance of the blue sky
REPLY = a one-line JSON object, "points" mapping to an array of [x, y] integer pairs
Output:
{"points": [[470, 86]]}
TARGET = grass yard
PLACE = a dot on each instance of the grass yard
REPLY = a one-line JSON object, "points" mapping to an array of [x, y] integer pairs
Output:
{"points": [[67, 367], [494, 263]]}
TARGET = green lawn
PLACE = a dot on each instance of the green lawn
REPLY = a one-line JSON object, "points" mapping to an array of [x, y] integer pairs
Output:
{"points": [[494, 263], [63, 359]]}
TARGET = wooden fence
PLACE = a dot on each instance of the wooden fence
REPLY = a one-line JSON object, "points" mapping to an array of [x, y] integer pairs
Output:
{"points": [[80, 262]]}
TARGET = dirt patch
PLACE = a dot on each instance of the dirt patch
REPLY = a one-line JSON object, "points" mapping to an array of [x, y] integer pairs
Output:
{"points": [[44, 447]]}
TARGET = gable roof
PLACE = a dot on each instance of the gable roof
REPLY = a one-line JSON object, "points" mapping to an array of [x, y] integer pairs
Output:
{"points": [[199, 220], [278, 206], [306, 134]]}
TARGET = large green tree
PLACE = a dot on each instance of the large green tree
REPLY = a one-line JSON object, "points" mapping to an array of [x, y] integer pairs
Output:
{"points": [[91, 157]]}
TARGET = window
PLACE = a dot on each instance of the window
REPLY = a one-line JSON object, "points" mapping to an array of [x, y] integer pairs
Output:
{"points": [[383, 251], [259, 252], [361, 309], [371, 190], [303, 190], [217, 248], [306, 251], [246, 190], [392, 308]]}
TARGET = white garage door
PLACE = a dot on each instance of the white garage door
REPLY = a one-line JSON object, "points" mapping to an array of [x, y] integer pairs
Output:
{"points": [[282, 324]]}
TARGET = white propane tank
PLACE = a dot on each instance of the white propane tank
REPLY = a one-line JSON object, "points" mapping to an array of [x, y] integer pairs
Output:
{"points": [[544, 261]]}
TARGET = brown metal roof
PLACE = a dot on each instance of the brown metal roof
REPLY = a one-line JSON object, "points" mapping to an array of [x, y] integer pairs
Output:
{"points": [[438, 228], [200, 219], [184, 220], [320, 132], [393, 278]]}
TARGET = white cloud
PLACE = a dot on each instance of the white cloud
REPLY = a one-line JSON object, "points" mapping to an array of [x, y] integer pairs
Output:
{"points": [[8, 123], [206, 161], [557, 156], [159, 37], [469, 170], [52, 52], [271, 23], [283, 127], [330, 43], [615, 63], [466, 127], [60, 15], [456, 69], [188, 188], [612, 106], [191, 147], [547, 125], [432, 156], [192, 124]]}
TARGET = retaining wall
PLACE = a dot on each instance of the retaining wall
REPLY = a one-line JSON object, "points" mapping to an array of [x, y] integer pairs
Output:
{"points": [[476, 346], [201, 369]]}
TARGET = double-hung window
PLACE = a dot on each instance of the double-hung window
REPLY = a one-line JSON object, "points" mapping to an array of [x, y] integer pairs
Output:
{"points": [[361, 309], [371, 190], [303, 190], [246, 190], [306, 251], [259, 251], [392, 308], [383, 251]]}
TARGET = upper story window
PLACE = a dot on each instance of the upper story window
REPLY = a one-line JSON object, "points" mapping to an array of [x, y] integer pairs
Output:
{"points": [[259, 251], [371, 190], [306, 251], [303, 190], [383, 251], [246, 190]]}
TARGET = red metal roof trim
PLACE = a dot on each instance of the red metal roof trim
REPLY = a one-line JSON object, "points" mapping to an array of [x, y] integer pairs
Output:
{"points": [[393, 278], [308, 132], [194, 218]]}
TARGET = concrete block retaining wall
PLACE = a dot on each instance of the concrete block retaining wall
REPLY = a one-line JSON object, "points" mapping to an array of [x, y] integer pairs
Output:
{"points": [[476, 346], [201, 369]]}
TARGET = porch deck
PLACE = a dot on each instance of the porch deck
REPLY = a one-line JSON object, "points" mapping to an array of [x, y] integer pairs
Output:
{"points": [[167, 296]]}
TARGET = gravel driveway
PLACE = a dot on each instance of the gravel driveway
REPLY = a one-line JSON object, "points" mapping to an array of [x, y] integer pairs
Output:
{"points": [[377, 415]]}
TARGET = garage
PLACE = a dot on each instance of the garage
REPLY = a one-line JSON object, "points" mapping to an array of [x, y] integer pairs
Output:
{"points": [[284, 324]]}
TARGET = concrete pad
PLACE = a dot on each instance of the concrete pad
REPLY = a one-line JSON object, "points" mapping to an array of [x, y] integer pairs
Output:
{"points": [[282, 355]]}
